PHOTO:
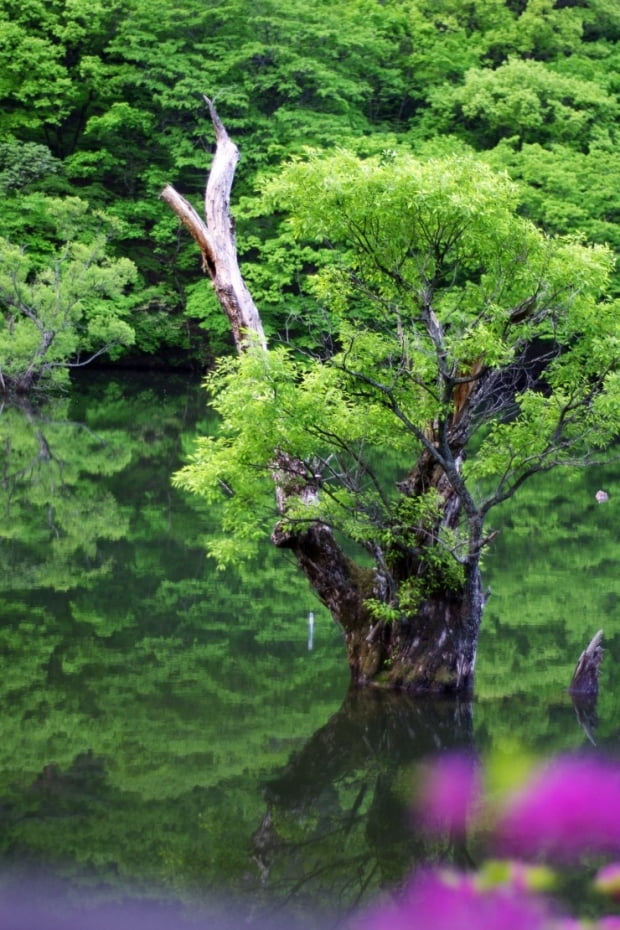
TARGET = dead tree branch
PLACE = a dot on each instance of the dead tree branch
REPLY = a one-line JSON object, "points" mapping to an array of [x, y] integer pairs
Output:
{"points": [[215, 237]]}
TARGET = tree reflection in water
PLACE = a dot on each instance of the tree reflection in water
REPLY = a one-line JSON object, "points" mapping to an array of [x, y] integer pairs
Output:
{"points": [[338, 824]]}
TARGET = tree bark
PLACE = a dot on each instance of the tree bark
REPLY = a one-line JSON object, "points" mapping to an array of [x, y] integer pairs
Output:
{"points": [[432, 651], [586, 674]]}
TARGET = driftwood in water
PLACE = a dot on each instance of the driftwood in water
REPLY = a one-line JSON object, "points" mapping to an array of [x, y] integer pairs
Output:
{"points": [[585, 677]]}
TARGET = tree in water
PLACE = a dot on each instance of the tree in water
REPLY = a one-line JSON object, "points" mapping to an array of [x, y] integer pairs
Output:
{"points": [[462, 351]]}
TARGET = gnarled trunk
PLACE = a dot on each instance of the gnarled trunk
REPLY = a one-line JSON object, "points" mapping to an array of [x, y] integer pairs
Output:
{"points": [[429, 649], [434, 650]]}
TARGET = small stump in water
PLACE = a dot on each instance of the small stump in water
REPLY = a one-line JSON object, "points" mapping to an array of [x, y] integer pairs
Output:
{"points": [[585, 676]]}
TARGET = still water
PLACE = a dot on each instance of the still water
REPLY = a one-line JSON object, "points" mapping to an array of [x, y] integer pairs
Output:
{"points": [[180, 741]]}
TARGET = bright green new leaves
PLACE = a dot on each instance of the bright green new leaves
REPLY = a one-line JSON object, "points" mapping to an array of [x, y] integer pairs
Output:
{"points": [[565, 189], [396, 204], [49, 59], [572, 413], [433, 285], [270, 402], [409, 232], [64, 309], [523, 98]]}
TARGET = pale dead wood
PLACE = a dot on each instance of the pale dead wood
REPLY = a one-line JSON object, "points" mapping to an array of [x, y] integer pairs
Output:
{"points": [[215, 237]]}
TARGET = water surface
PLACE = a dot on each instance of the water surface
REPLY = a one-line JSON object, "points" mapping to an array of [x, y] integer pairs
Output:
{"points": [[168, 736]]}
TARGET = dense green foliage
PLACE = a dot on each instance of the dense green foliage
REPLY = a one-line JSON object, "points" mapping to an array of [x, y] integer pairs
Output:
{"points": [[104, 102], [65, 305]]}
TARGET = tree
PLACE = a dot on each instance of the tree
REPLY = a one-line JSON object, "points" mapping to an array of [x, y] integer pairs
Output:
{"points": [[566, 189], [64, 307], [465, 352], [525, 99]]}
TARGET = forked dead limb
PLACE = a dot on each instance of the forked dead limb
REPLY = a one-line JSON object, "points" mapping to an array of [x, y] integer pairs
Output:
{"points": [[215, 237]]}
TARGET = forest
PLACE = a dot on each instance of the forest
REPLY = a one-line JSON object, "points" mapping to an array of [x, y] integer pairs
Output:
{"points": [[102, 105]]}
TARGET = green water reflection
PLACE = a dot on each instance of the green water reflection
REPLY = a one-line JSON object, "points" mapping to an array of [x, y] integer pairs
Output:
{"points": [[554, 581], [165, 726]]}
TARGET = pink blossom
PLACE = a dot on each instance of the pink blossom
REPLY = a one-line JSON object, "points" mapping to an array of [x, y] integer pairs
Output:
{"points": [[570, 807], [435, 902], [449, 793], [608, 879]]}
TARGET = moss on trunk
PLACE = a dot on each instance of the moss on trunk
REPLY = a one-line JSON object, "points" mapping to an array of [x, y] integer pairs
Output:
{"points": [[432, 651]]}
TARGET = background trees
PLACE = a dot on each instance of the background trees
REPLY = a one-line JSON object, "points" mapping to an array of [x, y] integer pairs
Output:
{"points": [[64, 306], [104, 102]]}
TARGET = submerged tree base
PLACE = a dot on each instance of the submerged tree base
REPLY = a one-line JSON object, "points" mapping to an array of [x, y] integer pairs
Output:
{"points": [[431, 653]]}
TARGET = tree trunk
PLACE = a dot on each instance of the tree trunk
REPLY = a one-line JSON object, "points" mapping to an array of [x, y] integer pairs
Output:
{"points": [[586, 674], [215, 237], [434, 650]]}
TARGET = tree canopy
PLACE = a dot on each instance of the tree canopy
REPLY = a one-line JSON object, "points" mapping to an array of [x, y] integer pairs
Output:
{"points": [[408, 234], [66, 306]]}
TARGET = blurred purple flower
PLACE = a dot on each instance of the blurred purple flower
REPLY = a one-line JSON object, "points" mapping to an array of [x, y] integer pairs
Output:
{"points": [[607, 880], [449, 793], [453, 902], [570, 807]]}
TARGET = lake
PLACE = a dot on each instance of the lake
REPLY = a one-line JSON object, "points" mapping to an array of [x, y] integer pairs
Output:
{"points": [[179, 744]]}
